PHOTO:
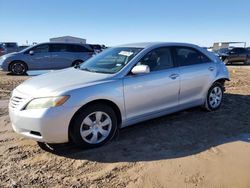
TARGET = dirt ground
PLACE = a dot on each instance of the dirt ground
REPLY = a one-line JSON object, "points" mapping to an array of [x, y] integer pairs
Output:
{"points": [[192, 148]]}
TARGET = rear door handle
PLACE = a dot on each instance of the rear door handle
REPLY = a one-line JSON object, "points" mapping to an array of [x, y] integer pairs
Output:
{"points": [[174, 76], [211, 68]]}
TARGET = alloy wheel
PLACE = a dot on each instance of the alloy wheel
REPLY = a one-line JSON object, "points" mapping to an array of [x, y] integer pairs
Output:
{"points": [[18, 68], [215, 97]]}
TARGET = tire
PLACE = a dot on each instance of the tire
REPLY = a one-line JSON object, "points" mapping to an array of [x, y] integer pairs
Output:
{"points": [[214, 97], [93, 126], [77, 63], [44, 146], [247, 62], [226, 61], [18, 68]]}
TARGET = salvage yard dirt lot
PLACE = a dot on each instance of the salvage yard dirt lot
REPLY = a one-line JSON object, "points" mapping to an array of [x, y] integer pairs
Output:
{"points": [[192, 148]]}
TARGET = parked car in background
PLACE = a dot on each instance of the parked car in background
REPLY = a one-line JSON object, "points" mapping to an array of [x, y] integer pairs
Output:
{"points": [[2, 50], [116, 88], [9, 47], [46, 56], [234, 55], [222, 52], [20, 48], [97, 47]]}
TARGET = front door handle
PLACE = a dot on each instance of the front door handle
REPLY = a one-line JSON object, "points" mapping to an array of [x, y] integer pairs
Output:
{"points": [[174, 76], [211, 68]]}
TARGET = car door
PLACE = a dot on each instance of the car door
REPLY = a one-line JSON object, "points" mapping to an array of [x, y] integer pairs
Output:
{"points": [[196, 73], [237, 55], [242, 55], [61, 57], [38, 57], [82, 52], [153, 92]]}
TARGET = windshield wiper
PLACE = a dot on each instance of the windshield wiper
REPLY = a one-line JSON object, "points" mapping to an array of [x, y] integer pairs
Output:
{"points": [[96, 71], [87, 69]]}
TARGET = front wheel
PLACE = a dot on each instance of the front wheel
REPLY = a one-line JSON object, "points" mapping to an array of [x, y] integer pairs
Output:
{"points": [[18, 68], [214, 97], [93, 126]]}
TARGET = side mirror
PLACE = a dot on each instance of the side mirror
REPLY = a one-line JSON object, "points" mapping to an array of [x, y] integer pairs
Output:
{"points": [[31, 52], [140, 69]]}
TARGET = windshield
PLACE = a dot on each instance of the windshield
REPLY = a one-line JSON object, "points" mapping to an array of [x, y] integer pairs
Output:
{"points": [[110, 61], [28, 48]]}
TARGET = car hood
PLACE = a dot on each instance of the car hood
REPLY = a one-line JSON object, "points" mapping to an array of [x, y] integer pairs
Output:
{"points": [[61, 81], [9, 55]]}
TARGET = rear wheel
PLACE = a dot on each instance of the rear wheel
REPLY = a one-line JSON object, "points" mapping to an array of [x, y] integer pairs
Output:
{"points": [[247, 62], [214, 97], [93, 126], [18, 68]]}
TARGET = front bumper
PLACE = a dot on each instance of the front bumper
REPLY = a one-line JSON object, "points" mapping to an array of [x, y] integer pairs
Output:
{"points": [[43, 125], [2, 64]]}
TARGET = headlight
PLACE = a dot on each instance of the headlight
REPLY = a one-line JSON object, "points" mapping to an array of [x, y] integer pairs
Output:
{"points": [[46, 102]]}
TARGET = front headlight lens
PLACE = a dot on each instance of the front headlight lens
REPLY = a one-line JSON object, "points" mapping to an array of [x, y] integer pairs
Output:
{"points": [[46, 102]]}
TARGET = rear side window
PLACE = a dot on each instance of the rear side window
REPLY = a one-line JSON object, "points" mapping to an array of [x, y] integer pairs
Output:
{"points": [[79, 48], [185, 56], [58, 47]]}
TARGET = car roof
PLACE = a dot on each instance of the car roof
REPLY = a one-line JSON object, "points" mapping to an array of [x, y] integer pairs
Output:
{"points": [[70, 43], [160, 44], [152, 44]]}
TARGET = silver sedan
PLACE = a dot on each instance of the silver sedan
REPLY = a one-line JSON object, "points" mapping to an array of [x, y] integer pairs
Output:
{"points": [[119, 87]]}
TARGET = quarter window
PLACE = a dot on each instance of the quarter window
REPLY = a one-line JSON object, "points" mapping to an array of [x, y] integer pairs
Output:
{"points": [[188, 56], [158, 59]]}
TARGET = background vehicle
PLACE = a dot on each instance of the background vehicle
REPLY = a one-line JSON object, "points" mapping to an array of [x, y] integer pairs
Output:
{"points": [[97, 47], [20, 48], [2, 50], [222, 52], [9, 47], [116, 88], [46, 56], [236, 55]]}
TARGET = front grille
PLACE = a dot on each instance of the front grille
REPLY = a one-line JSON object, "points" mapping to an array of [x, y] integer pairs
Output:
{"points": [[16, 101]]}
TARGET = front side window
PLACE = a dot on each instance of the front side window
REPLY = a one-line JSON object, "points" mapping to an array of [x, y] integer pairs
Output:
{"points": [[111, 60], [189, 56], [158, 59], [41, 48]]}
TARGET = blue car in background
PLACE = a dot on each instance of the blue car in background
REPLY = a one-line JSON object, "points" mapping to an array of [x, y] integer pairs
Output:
{"points": [[46, 56]]}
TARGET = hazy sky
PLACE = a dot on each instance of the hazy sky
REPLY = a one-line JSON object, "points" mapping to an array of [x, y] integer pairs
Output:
{"points": [[114, 22]]}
